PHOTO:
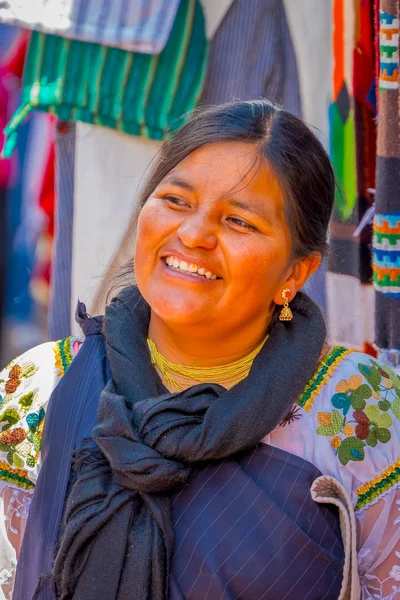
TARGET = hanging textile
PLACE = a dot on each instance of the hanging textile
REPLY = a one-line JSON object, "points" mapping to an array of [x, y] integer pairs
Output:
{"points": [[386, 244], [134, 25], [252, 55], [40, 281], [350, 295], [139, 94], [60, 291], [364, 89]]}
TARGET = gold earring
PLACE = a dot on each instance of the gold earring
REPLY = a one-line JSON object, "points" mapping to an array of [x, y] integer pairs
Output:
{"points": [[286, 314]]}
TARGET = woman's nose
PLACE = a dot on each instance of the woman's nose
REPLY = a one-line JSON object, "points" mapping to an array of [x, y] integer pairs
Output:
{"points": [[197, 231]]}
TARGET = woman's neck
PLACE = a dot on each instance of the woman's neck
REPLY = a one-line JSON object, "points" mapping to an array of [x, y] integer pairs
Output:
{"points": [[204, 346]]}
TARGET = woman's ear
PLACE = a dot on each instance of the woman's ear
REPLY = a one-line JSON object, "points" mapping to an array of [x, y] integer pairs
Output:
{"points": [[301, 270]]}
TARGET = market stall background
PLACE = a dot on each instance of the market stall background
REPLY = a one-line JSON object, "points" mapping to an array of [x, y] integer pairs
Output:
{"points": [[88, 90]]}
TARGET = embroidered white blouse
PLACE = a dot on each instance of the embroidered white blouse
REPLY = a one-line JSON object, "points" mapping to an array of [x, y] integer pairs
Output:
{"points": [[346, 422]]}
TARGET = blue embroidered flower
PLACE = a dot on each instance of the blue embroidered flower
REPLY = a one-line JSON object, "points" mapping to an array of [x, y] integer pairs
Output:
{"points": [[342, 402]]}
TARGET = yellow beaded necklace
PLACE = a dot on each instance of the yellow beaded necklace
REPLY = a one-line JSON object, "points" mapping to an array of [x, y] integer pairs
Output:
{"points": [[227, 375]]}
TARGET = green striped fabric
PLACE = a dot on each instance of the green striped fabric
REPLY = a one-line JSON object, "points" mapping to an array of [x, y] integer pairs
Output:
{"points": [[140, 94]]}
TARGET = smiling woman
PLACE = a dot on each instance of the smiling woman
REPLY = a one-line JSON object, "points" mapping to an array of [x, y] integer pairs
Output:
{"points": [[184, 437]]}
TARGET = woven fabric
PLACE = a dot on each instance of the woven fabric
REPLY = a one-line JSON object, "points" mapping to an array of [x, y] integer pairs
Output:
{"points": [[252, 55], [140, 94], [134, 25], [364, 91], [341, 113], [353, 153], [386, 243], [59, 317], [387, 254]]}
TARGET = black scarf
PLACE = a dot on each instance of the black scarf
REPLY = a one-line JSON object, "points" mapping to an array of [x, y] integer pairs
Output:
{"points": [[118, 534]]}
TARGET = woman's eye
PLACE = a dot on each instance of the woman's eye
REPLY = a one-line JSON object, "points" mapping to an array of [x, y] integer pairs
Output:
{"points": [[176, 201], [241, 223]]}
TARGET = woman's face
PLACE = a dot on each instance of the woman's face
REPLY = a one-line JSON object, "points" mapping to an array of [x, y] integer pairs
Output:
{"points": [[213, 247]]}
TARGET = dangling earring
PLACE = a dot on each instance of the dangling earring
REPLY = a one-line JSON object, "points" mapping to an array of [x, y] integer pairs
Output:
{"points": [[286, 313]]}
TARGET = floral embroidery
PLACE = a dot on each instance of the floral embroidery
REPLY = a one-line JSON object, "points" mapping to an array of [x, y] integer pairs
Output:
{"points": [[324, 371], [15, 376], [375, 488], [368, 423], [22, 414]]}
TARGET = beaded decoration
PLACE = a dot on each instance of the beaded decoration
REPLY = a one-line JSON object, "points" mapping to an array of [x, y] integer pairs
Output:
{"points": [[378, 486], [320, 377], [286, 314], [64, 354], [18, 477]]}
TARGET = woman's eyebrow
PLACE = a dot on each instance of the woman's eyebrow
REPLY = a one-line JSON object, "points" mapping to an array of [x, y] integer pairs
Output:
{"points": [[253, 208], [178, 182]]}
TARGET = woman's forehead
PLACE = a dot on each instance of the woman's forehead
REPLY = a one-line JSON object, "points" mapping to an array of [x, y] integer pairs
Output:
{"points": [[226, 169]]}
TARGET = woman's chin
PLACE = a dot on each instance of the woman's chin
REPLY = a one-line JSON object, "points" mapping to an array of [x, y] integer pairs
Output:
{"points": [[181, 309]]}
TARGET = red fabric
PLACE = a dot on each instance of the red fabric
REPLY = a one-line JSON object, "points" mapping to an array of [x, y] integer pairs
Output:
{"points": [[364, 81], [11, 67], [41, 276]]}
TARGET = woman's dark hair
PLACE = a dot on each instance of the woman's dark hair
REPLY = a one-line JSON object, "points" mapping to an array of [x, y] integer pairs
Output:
{"points": [[293, 152]]}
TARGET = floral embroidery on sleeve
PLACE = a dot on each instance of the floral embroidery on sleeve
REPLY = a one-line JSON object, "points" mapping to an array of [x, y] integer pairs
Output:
{"points": [[364, 408], [23, 410]]}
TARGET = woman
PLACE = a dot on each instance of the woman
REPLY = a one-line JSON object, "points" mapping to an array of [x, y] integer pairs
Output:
{"points": [[198, 414]]}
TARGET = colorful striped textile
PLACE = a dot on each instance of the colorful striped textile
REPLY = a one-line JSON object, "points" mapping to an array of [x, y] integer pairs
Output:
{"points": [[341, 112], [364, 91], [387, 254], [134, 25], [386, 243], [139, 94], [350, 295]]}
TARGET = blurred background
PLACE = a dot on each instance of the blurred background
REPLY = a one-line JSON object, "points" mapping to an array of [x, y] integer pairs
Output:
{"points": [[89, 88]]}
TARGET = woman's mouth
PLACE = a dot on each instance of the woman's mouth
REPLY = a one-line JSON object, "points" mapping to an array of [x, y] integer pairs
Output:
{"points": [[192, 269]]}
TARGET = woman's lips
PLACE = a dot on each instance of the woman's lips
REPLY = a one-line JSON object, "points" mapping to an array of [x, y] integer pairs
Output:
{"points": [[188, 275], [188, 266]]}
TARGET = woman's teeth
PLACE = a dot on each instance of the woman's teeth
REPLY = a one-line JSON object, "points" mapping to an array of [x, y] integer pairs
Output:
{"points": [[182, 265]]}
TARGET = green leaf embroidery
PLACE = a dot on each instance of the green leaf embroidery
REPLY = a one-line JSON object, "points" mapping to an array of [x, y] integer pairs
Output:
{"points": [[10, 458], [363, 392], [373, 413], [372, 375], [395, 379], [377, 418], [37, 442], [396, 407], [30, 461], [372, 439], [364, 370], [326, 430], [351, 448], [28, 370], [384, 405], [337, 422], [18, 461], [357, 403], [26, 400], [5, 447], [9, 417], [383, 435], [384, 420]]}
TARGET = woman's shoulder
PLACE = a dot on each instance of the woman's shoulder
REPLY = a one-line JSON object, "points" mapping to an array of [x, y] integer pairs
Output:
{"points": [[354, 406], [347, 423], [26, 385]]}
